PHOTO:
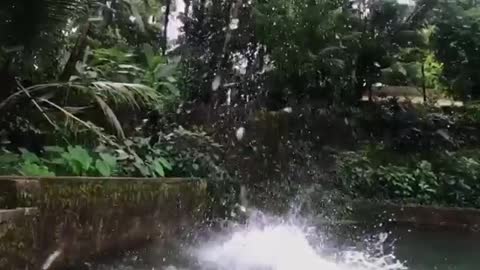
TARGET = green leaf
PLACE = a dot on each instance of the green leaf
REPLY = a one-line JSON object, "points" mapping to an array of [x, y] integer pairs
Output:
{"points": [[165, 163], [122, 155], [109, 159], [32, 169], [54, 149], [29, 156], [103, 168], [8, 158], [140, 165], [163, 71], [158, 168], [172, 88], [57, 161], [79, 159], [148, 51], [195, 166]]}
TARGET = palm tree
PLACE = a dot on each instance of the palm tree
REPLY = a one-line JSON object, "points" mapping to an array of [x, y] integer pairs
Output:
{"points": [[35, 40], [387, 29]]}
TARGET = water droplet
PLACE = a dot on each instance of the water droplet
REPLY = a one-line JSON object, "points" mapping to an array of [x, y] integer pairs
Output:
{"points": [[216, 82], [233, 24], [240, 133], [287, 109]]}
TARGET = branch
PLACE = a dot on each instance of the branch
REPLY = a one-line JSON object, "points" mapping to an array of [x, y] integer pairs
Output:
{"points": [[36, 104]]}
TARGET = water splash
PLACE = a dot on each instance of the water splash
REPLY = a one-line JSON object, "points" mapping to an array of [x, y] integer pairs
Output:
{"points": [[51, 259], [259, 241], [273, 243]]}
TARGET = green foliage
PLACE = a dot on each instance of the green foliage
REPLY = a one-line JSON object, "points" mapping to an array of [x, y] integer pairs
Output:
{"points": [[307, 42], [34, 34], [456, 42], [73, 160], [471, 114], [334, 51], [450, 179], [111, 82], [137, 157], [193, 153], [433, 72], [81, 58], [33, 169], [179, 153], [160, 74]]}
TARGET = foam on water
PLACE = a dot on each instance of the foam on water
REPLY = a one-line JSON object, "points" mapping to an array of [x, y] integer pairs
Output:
{"points": [[269, 243]]}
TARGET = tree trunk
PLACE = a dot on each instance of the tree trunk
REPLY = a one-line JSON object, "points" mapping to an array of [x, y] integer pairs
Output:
{"points": [[76, 54], [370, 92], [165, 28], [187, 7], [424, 84]]}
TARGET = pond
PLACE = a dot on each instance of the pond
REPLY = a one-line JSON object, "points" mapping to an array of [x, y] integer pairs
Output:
{"points": [[442, 250], [288, 243]]}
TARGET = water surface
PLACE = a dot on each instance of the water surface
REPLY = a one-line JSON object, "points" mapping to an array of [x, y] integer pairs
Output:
{"points": [[274, 243]]}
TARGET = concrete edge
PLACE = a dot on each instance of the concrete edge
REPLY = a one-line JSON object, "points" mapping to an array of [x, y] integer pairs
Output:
{"points": [[8, 215], [166, 180], [418, 215]]}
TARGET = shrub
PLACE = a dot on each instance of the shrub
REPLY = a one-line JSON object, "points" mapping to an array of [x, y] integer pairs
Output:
{"points": [[181, 153], [72, 160], [449, 179]]}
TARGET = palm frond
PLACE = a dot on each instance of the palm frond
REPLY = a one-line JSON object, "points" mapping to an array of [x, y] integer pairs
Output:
{"points": [[24, 22], [31, 90], [69, 116], [422, 8], [329, 51], [136, 95], [40, 109], [102, 93], [111, 117]]}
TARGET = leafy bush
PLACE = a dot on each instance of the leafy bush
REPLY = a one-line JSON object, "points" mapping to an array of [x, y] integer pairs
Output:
{"points": [[449, 179], [78, 161], [471, 114], [406, 127], [181, 152], [194, 153], [73, 160]]}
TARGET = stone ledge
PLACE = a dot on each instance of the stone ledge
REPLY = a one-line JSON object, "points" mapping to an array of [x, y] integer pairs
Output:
{"points": [[10, 215], [418, 215], [163, 180]]}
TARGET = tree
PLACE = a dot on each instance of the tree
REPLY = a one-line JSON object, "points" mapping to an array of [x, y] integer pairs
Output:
{"points": [[336, 49], [54, 64], [307, 43], [387, 29], [456, 44]]}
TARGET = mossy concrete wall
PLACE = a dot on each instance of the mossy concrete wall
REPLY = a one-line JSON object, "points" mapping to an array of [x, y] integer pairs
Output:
{"points": [[429, 217], [80, 218]]}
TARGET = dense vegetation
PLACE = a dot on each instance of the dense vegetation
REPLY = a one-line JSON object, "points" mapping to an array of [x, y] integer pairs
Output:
{"points": [[102, 88]]}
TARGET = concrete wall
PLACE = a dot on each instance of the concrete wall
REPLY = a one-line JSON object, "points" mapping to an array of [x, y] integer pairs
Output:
{"points": [[78, 218], [429, 217]]}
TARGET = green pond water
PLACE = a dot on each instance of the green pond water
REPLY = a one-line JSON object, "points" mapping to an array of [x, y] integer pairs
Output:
{"points": [[291, 242], [417, 249], [442, 250]]}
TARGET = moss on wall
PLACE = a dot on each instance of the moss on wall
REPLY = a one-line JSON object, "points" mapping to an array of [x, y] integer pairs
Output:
{"points": [[85, 217], [17, 246]]}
